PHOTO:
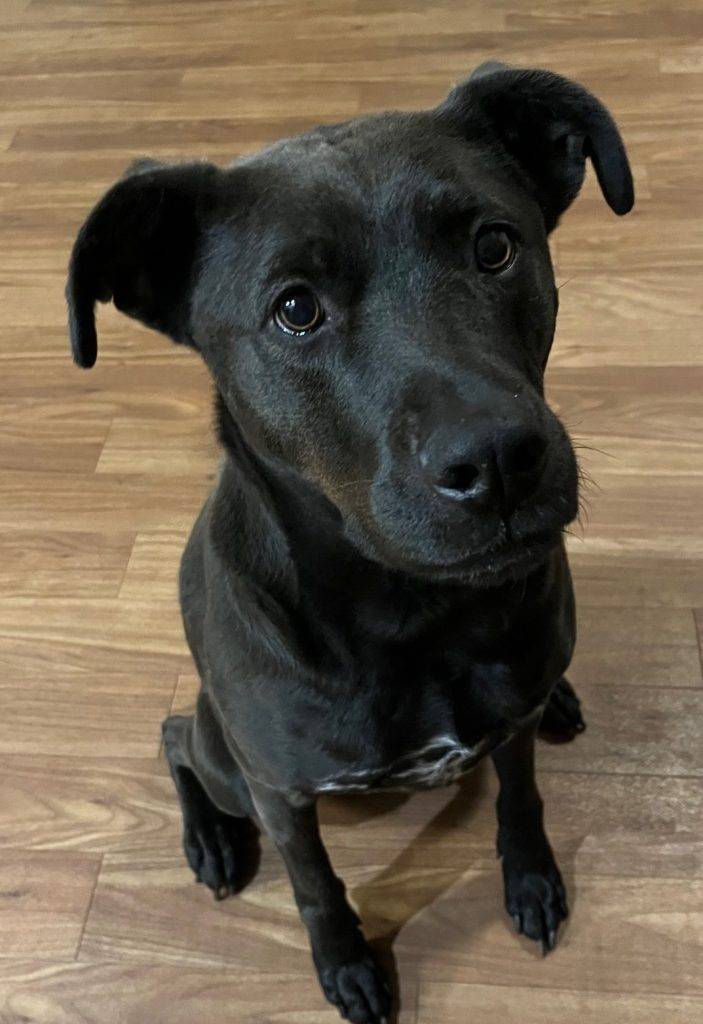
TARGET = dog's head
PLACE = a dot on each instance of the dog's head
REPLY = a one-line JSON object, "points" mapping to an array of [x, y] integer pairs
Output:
{"points": [[376, 303]]}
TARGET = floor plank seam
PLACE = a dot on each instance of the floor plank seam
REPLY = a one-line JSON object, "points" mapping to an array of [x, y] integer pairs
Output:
{"points": [[699, 637], [93, 891], [125, 568]]}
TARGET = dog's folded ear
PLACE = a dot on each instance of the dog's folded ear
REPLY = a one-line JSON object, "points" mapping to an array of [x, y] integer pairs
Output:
{"points": [[138, 248], [549, 125]]}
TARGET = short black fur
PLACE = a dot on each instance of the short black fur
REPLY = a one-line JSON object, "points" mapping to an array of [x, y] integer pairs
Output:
{"points": [[376, 593]]}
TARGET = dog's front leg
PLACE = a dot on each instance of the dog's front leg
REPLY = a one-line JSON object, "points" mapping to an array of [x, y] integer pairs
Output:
{"points": [[534, 891], [348, 972]]}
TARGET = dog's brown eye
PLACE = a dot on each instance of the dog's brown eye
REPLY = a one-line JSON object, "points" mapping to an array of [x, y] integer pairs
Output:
{"points": [[298, 311], [495, 250]]}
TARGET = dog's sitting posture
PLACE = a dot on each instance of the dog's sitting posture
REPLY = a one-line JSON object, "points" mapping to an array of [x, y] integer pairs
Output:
{"points": [[376, 593]]}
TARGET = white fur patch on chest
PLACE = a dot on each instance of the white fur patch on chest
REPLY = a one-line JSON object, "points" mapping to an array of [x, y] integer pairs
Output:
{"points": [[439, 762]]}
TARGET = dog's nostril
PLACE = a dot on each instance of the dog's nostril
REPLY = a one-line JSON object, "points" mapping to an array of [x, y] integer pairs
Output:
{"points": [[527, 454], [460, 477]]}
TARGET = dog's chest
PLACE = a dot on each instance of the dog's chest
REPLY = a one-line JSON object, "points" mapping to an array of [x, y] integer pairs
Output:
{"points": [[437, 733], [440, 761]]}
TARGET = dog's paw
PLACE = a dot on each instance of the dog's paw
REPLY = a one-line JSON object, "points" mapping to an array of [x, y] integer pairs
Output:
{"points": [[218, 850], [358, 989], [562, 719], [536, 901]]}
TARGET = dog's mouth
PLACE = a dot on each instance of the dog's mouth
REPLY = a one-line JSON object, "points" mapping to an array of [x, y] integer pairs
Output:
{"points": [[507, 560]]}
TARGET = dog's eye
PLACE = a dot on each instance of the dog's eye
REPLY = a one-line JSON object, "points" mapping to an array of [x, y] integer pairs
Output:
{"points": [[495, 250], [298, 311]]}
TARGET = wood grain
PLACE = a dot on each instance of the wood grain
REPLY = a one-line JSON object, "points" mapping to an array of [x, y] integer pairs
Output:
{"points": [[636, 729], [101, 476], [44, 897], [636, 646], [88, 803], [623, 935], [80, 713], [607, 824], [529, 1006], [80, 993]]}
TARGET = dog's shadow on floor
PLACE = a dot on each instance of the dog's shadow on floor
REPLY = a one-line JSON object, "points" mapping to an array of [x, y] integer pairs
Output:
{"points": [[413, 863], [425, 869], [414, 879]]}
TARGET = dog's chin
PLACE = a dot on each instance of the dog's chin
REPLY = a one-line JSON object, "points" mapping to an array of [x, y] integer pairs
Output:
{"points": [[509, 561]]}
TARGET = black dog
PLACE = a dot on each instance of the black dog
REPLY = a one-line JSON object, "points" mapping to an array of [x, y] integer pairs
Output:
{"points": [[376, 593]]}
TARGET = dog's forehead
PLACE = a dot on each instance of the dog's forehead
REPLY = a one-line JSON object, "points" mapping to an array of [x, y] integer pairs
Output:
{"points": [[379, 165]]}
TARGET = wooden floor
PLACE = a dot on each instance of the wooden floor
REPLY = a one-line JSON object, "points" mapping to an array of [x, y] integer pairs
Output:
{"points": [[102, 475]]}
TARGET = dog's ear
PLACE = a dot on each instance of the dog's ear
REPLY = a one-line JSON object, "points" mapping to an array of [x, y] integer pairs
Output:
{"points": [[550, 125], [137, 248]]}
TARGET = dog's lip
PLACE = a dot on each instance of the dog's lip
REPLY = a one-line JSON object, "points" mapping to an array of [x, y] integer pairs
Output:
{"points": [[504, 560]]}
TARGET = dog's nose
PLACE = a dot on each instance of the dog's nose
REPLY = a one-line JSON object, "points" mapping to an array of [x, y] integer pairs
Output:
{"points": [[485, 466]]}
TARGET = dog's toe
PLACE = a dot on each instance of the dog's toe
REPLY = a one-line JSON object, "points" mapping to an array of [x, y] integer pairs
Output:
{"points": [[536, 901], [213, 848], [562, 719], [359, 991]]}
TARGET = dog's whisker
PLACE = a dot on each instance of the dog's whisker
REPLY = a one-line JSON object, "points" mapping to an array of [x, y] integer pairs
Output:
{"points": [[592, 448]]}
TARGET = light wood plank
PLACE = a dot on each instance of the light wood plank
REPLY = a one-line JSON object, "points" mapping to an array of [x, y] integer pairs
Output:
{"points": [[623, 935], [636, 646], [152, 570], [447, 1002], [181, 448], [60, 563], [642, 580], [118, 993], [84, 713], [44, 898], [635, 729], [88, 802]]}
